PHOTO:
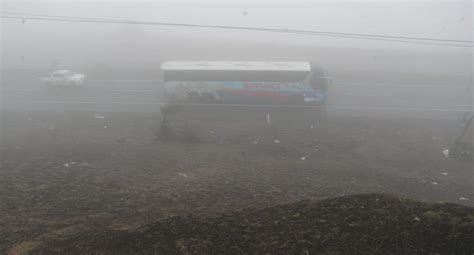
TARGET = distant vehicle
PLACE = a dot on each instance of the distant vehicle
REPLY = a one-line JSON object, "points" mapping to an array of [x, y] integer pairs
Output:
{"points": [[63, 78], [245, 82]]}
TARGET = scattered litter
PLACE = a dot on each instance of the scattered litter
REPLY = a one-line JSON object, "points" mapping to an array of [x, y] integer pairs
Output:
{"points": [[446, 153], [276, 141], [423, 181], [434, 183], [105, 126], [322, 221], [212, 132], [463, 199], [121, 228], [255, 142], [444, 173], [183, 175], [303, 158], [73, 163], [463, 151], [416, 218], [312, 126], [99, 117], [86, 164], [66, 165]]}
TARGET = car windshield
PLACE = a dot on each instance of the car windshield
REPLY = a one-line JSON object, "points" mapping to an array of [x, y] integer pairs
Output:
{"points": [[236, 127]]}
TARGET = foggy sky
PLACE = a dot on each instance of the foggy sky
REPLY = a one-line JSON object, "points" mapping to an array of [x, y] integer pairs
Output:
{"points": [[42, 41]]}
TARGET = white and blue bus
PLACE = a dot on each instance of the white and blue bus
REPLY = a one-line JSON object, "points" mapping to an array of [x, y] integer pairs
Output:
{"points": [[244, 82]]}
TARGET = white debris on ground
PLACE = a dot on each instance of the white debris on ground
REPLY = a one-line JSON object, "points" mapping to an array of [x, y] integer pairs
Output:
{"points": [[303, 158], [444, 173], [434, 183], [99, 117], [446, 153], [183, 175], [276, 141], [85, 164], [416, 218], [105, 126], [463, 199], [255, 142], [69, 164]]}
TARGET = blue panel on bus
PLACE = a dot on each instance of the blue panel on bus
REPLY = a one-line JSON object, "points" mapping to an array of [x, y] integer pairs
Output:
{"points": [[247, 92]]}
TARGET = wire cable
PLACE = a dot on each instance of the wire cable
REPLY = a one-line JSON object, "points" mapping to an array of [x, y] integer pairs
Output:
{"points": [[414, 40], [236, 27]]}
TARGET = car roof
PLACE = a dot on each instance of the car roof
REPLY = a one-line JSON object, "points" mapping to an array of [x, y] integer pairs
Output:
{"points": [[63, 71], [235, 66]]}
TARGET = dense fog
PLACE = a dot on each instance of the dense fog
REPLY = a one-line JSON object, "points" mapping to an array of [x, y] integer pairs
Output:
{"points": [[236, 127], [82, 45]]}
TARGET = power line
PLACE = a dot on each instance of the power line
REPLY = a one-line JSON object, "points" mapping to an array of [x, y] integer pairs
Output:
{"points": [[236, 27], [392, 40], [56, 16], [413, 40]]}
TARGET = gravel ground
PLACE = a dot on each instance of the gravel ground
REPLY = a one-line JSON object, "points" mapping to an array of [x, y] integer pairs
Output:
{"points": [[66, 174]]}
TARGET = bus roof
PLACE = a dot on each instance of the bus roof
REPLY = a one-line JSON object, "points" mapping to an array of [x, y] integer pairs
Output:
{"points": [[235, 66]]}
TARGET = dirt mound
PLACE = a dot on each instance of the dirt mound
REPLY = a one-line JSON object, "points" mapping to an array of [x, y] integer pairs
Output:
{"points": [[357, 224]]}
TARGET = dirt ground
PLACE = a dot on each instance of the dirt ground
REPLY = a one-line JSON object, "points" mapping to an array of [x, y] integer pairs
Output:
{"points": [[68, 173], [355, 224]]}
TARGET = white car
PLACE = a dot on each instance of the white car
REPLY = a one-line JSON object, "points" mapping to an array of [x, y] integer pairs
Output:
{"points": [[63, 78]]}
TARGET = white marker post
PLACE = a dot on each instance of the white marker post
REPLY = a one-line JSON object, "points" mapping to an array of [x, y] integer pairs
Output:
{"points": [[268, 118]]}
